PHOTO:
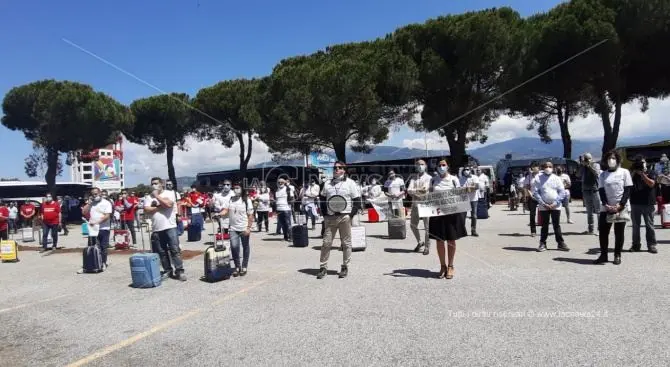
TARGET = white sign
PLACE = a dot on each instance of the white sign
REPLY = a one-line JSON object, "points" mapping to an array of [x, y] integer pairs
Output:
{"points": [[439, 203]]}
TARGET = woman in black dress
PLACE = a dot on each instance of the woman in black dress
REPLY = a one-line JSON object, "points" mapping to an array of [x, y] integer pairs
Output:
{"points": [[446, 228]]}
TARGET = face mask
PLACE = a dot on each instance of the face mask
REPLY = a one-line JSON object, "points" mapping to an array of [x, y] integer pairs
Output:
{"points": [[281, 184], [156, 186], [373, 182], [559, 172], [237, 191], [97, 198], [226, 188], [466, 172], [664, 159], [421, 168], [49, 198], [338, 174], [611, 163], [442, 169], [548, 171]]}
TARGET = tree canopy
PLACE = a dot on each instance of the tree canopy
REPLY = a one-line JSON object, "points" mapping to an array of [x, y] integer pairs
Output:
{"points": [[63, 117], [348, 93], [229, 112], [162, 123]]}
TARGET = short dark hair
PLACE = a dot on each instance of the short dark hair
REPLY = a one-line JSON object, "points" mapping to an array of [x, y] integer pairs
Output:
{"points": [[156, 179], [639, 158], [612, 153], [340, 163], [534, 164]]}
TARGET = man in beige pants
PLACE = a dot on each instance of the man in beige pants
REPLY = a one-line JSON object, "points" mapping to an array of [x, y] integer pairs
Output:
{"points": [[342, 198], [418, 187]]}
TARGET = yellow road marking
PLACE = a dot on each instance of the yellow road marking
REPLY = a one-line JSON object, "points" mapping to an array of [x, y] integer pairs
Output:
{"points": [[32, 303], [164, 325]]}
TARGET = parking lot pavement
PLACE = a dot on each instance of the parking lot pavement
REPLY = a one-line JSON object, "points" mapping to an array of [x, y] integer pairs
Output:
{"points": [[507, 305]]}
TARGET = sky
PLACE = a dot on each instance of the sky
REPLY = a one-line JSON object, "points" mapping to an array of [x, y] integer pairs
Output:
{"points": [[134, 49]]}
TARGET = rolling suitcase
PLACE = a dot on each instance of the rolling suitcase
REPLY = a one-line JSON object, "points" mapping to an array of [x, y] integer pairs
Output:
{"points": [[397, 229], [358, 242], [299, 235], [217, 259], [482, 209], [27, 234], [665, 216], [145, 270], [194, 232], [121, 239], [92, 257]]}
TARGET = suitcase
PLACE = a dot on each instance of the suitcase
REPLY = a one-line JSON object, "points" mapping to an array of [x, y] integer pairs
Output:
{"points": [[482, 209], [145, 270], [194, 232], [217, 260], [397, 229], [92, 259], [9, 251], [300, 236], [27, 234], [122, 239], [665, 216], [358, 242]]}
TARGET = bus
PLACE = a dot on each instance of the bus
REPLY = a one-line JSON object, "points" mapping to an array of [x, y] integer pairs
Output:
{"points": [[207, 181], [518, 166], [20, 191], [405, 168], [651, 152]]}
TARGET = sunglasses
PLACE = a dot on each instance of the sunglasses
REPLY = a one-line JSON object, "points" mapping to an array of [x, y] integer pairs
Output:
{"points": [[339, 168]]}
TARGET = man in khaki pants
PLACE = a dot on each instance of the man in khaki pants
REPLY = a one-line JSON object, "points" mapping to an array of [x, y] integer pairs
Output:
{"points": [[342, 198]]}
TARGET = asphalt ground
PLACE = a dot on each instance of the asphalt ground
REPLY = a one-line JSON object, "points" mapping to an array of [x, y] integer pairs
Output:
{"points": [[507, 305]]}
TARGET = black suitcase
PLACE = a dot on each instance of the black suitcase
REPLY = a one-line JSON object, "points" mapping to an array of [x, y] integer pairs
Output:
{"points": [[92, 258], [194, 233], [300, 235], [482, 209], [397, 229]]}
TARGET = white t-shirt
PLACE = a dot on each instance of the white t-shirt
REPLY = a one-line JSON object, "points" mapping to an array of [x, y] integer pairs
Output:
{"points": [[445, 183], [346, 188], [614, 183], [282, 197], [566, 182], [220, 201], [98, 210], [163, 218], [484, 179], [471, 181], [375, 191], [263, 201], [238, 213], [393, 187], [420, 183], [13, 212]]}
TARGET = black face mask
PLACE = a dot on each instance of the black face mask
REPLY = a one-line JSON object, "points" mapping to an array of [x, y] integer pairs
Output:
{"points": [[559, 171]]}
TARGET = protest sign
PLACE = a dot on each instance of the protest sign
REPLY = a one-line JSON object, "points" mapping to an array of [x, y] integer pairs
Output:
{"points": [[381, 205], [444, 202]]}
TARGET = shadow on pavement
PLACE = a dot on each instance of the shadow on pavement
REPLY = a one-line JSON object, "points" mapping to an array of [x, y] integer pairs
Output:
{"points": [[596, 251], [522, 249], [514, 234], [379, 236], [313, 272], [393, 250], [574, 260], [413, 273]]}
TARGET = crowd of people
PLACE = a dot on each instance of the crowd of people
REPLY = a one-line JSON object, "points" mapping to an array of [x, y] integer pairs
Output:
{"points": [[613, 196]]}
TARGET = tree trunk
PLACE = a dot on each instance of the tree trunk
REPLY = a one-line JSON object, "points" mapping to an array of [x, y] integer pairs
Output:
{"points": [[170, 163], [340, 151], [52, 171], [563, 120], [245, 156], [611, 131], [456, 141]]}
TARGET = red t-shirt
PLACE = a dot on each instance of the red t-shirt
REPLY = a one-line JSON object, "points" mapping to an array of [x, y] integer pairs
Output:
{"points": [[4, 223], [196, 199], [51, 212], [28, 210], [129, 214]]}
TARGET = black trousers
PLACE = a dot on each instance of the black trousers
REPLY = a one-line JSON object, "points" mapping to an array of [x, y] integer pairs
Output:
{"points": [[532, 209], [619, 229], [555, 216]]}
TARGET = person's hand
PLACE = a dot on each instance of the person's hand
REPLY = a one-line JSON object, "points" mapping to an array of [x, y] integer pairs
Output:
{"points": [[154, 193], [247, 232]]}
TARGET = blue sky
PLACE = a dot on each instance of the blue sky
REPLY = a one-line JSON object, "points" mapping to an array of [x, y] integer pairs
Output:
{"points": [[184, 45]]}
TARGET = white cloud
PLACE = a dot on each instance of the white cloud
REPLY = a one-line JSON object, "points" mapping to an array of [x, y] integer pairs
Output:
{"points": [[633, 123], [201, 156]]}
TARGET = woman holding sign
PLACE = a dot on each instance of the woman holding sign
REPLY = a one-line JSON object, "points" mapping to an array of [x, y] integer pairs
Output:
{"points": [[446, 228]]}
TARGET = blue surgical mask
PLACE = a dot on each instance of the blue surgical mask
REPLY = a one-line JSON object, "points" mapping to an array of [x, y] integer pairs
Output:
{"points": [[442, 169]]}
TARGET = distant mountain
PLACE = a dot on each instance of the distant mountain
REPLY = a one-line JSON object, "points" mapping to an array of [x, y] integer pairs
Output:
{"points": [[520, 148], [185, 181]]}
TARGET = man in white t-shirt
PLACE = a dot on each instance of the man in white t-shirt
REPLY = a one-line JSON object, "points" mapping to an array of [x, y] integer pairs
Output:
{"points": [[395, 190], [340, 187], [485, 184], [283, 198], [418, 188], [220, 199], [99, 211], [471, 181], [161, 207]]}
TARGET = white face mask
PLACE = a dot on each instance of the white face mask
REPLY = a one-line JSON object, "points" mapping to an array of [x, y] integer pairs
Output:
{"points": [[611, 163], [421, 168], [442, 169], [466, 172], [548, 170], [156, 187], [49, 198], [237, 191]]}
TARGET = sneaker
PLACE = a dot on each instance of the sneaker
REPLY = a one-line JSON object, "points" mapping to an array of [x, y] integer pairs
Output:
{"points": [[617, 260], [635, 248], [473, 233], [180, 276], [533, 234], [570, 221], [542, 247], [418, 247], [322, 273], [563, 247], [80, 271], [344, 272], [652, 249], [426, 250], [236, 272], [243, 272]]}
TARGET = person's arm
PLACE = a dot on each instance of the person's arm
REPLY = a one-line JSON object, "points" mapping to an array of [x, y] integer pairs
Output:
{"points": [[601, 190], [562, 193], [627, 185], [250, 216], [164, 202], [411, 189], [650, 181], [536, 192]]}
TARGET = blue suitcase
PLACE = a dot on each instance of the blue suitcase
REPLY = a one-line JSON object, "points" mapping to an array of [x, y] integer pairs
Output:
{"points": [[300, 236], [145, 270], [482, 209], [92, 258], [194, 232], [84, 229]]}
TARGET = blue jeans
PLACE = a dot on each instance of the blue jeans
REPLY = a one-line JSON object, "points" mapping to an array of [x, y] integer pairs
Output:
{"points": [[166, 245], [284, 222], [198, 219], [236, 239], [102, 241], [45, 234], [647, 214], [592, 202]]}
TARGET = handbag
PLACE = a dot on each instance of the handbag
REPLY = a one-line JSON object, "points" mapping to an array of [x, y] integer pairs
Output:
{"points": [[620, 217]]}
